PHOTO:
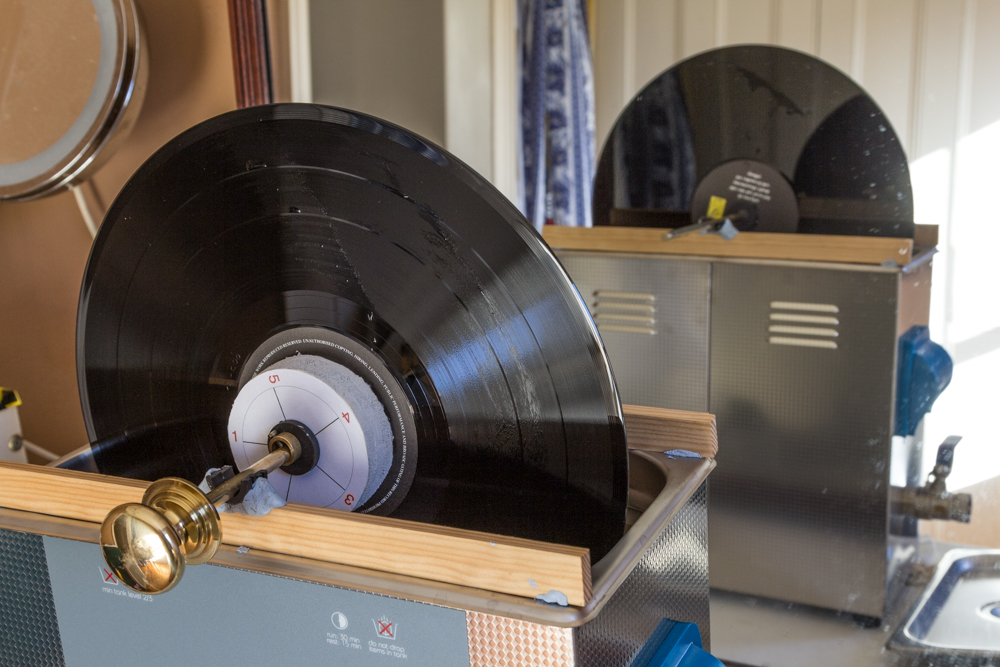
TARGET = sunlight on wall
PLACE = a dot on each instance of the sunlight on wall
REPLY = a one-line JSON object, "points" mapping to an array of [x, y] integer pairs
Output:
{"points": [[930, 177], [965, 299], [975, 236], [968, 408]]}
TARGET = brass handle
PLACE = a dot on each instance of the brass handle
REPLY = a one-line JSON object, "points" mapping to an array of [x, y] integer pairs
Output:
{"points": [[148, 544]]}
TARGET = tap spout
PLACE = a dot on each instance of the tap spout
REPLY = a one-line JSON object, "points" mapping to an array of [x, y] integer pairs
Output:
{"points": [[933, 500]]}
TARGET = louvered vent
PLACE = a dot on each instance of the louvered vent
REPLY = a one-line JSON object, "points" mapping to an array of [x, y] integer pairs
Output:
{"points": [[803, 324], [624, 312]]}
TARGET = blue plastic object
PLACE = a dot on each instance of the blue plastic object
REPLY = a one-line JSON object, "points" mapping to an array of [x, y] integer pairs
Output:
{"points": [[675, 644], [924, 371]]}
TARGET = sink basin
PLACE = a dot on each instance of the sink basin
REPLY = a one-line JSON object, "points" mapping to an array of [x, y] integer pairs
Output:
{"points": [[959, 612]]}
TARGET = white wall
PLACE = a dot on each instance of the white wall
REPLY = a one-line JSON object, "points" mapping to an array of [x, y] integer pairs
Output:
{"points": [[382, 57], [934, 68], [875, 41], [445, 69], [481, 88], [468, 82]]}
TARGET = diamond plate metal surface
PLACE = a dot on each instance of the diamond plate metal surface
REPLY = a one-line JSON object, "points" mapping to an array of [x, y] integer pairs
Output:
{"points": [[495, 641], [671, 581], [29, 631]]}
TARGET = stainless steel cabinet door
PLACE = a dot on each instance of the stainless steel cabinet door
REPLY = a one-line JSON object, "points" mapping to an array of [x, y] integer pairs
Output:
{"points": [[802, 380], [653, 316]]}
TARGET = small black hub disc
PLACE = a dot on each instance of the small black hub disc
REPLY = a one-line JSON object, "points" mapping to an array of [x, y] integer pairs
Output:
{"points": [[310, 447]]}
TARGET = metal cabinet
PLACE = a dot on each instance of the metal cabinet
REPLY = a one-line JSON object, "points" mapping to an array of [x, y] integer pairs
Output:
{"points": [[797, 360]]}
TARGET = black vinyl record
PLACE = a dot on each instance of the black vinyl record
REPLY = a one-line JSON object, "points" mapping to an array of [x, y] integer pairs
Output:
{"points": [[298, 228], [720, 120]]}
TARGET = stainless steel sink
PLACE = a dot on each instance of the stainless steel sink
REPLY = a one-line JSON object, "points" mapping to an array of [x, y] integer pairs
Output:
{"points": [[959, 611]]}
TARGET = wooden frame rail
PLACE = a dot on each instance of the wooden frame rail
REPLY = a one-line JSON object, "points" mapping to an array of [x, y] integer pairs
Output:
{"points": [[495, 563], [750, 245], [462, 557], [659, 429]]}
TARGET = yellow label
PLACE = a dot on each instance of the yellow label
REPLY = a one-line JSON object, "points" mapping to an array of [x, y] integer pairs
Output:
{"points": [[9, 398], [716, 207]]}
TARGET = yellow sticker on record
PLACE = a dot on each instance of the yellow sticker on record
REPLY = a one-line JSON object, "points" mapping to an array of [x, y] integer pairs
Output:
{"points": [[716, 207]]}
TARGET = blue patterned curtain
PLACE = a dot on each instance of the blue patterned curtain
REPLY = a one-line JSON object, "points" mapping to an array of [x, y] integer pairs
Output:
{"points": [[557, 112]]}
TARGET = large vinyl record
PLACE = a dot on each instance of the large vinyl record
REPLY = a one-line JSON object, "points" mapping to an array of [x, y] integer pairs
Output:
{"points": [[787, 140], [315, 242]]}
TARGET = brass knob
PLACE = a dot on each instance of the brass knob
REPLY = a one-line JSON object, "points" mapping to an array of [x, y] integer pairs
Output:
{"points": [[148, 544]]}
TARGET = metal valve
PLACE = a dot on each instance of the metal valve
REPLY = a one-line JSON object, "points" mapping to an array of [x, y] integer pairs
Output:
{"points": [[148, 544], [933, 500]]}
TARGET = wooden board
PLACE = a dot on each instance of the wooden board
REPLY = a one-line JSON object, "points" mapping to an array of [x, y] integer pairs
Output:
{"points": [[466, 558], [751, 245], [659, 429], [925, 235], [251, 68]]}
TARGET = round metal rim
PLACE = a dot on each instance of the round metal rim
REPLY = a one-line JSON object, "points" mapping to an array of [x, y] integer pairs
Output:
{"points": [[113, 121]]}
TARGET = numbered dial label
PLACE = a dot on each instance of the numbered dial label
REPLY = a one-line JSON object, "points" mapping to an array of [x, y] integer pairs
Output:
{"points": [[338, 480]]}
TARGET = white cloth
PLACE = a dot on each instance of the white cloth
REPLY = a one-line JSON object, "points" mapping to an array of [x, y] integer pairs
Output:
{"points": [[261, 499]]}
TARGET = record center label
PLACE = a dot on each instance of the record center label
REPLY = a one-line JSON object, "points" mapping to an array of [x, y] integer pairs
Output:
{"points": [[760, 192], [338, 479], [749, 187]]}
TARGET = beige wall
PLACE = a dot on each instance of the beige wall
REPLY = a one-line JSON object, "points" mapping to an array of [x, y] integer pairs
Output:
{"points": [[468, 82], [481, 88], [382, 57], [44, 244]]}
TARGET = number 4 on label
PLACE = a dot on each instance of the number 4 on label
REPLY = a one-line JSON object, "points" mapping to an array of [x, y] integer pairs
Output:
{"points": [[346, 416]]}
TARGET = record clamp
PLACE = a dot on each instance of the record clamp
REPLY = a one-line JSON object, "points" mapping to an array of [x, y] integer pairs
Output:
{"points": [[345, 402]]}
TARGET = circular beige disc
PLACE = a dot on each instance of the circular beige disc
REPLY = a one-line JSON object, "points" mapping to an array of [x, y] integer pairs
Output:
{"points": [[49, 53], [72, 75]]}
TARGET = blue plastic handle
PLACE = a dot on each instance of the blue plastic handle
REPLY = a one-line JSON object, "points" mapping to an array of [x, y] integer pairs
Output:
{"points": [[924, 372], [675, 644]]}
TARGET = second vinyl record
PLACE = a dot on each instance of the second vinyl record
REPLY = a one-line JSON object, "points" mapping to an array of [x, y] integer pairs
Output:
{"points": [[784, 138]]}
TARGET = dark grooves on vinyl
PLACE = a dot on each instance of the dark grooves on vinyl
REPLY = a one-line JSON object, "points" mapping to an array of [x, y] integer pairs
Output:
{"points": [[269, 219]]}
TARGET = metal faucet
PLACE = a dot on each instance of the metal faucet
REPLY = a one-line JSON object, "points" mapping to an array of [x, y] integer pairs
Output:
{"points": [[932, 500]]}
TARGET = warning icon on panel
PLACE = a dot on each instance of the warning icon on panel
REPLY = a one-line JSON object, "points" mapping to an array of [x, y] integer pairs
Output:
{"points": [[107, 577], [385, 628]]}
